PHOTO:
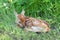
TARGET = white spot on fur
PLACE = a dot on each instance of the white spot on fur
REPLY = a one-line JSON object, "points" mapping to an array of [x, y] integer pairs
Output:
{"points": [[36, 29]]}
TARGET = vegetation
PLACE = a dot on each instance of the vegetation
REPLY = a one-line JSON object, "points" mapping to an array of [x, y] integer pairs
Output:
{"points": [[48, 10]]}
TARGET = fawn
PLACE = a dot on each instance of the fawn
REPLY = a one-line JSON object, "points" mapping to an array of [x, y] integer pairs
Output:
{"points": [[31, 24]]}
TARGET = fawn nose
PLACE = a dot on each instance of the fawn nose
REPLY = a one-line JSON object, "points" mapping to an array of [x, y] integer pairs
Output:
{"points": [[23, 27]]}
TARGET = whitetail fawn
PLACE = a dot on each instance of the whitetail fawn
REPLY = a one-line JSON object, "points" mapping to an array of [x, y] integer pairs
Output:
{"points": [[31, 24]]}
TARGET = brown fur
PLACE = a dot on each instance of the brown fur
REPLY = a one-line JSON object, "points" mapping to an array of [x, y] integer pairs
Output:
{"points": [[28, 22]]}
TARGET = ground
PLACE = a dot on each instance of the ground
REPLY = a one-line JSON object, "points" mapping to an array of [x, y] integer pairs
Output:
{"points": [[48, 10]]}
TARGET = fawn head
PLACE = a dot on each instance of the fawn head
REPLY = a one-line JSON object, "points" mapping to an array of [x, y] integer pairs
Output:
{"points": [[20, 18]]}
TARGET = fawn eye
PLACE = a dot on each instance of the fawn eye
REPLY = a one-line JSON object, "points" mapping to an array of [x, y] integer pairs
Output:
{"points": [[19, 22]]}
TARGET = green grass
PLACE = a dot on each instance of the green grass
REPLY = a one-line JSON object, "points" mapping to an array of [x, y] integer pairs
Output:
{"points": [[48, 10]]}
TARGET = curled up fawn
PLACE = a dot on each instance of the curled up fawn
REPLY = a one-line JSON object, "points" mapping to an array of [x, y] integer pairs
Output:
{"points": [[31, 24]]}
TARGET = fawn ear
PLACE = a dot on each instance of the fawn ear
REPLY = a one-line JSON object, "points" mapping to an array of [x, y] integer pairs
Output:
{"points": [[22, 12], [15, 13]]}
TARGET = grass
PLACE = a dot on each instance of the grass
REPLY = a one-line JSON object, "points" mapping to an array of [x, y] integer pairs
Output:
{"points": [[48, 10]]}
